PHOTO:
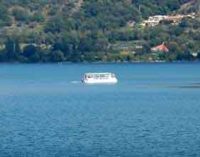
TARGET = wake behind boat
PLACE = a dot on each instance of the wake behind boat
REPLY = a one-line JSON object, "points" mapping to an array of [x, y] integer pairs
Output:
{"points": [[99, 78]]}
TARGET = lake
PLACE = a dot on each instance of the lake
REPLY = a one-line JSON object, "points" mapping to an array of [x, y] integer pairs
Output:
{"points": [[154, 111]]}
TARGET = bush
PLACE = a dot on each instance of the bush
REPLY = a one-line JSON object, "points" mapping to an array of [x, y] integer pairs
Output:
{"points": [[21, 14], [57, 56], [29, 51]]}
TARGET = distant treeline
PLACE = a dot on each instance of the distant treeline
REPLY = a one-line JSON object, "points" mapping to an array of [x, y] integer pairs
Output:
{"points": [[64, 30]]}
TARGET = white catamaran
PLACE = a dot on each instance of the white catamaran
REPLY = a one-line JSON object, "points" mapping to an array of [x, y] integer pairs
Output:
{"points": [[99, 78]]}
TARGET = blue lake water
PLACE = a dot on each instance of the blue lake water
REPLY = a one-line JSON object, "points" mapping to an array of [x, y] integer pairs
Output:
{"points": [[154, 111]]}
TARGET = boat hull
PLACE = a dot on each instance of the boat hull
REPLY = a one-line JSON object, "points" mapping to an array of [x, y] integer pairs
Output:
{"points": [[99, 78], [111, 81]]}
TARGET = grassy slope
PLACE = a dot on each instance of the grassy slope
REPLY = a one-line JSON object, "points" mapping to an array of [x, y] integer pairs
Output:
{"points": [[86, 11]]}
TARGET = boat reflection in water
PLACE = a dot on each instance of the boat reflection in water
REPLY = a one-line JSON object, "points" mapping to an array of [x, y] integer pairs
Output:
{"points": [[99, 78]]}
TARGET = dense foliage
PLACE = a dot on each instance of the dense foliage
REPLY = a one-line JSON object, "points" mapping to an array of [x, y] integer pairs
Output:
{"points": [[93, 30]]}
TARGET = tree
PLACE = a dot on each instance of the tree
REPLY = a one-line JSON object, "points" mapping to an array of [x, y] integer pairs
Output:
{"points": [[38, 17], [54, 25], [29, 51], [21, 14], [12, 48], [57, 56], [4, 17]]}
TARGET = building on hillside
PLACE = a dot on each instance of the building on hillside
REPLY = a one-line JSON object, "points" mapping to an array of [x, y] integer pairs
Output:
{"points": [[194, 54], [160, 48], [131, 23], [175, 19], [2, 46], [153, 20]]}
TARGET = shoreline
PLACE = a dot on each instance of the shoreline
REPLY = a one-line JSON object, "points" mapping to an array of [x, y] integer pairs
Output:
{"points": [[105, 62]]}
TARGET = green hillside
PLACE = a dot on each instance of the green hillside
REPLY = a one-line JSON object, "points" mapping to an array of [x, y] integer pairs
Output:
{"points": [[95, 30]]}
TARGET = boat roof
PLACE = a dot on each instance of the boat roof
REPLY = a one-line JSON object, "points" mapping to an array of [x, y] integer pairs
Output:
{"points": [[102, 73]]}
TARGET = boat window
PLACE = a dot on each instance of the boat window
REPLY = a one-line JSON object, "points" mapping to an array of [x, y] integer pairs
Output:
{"points": [[96, 76], [89, 76], [100, 76], [112, 75]]}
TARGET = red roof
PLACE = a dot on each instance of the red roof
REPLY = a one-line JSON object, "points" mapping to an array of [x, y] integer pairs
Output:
{"points": [[160, 48]]}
